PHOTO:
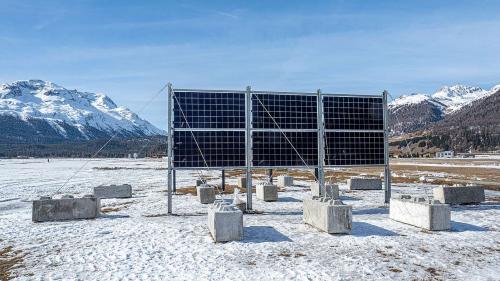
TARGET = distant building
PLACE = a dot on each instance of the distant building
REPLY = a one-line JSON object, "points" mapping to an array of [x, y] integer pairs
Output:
{"points": [[445, 154]]}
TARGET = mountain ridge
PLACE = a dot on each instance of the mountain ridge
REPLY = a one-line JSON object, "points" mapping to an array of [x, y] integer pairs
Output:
{"points": [[46, 112]]}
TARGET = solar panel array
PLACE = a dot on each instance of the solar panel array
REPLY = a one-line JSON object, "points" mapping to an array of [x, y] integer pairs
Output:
{"points": [[209, 129]]}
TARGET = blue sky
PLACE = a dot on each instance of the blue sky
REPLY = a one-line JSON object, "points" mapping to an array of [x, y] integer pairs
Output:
{"points": [[130, 49]]}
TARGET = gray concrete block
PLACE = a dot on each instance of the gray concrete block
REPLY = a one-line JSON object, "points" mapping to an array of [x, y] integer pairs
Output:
{"points": [[242, 182], [329, 190], [68, 208], [419, 212], [328, 215], [459, 194], [205, 193], [225, 222], [284, 181], [113, 191], [359, 183], [267, 192]]}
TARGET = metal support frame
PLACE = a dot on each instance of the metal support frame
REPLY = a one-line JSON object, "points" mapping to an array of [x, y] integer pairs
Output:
{"points": [[387, 168], [270, 175], [223, 178], [319, 169], [321, 143], [170, 148], [174, 185], [248, 144]]}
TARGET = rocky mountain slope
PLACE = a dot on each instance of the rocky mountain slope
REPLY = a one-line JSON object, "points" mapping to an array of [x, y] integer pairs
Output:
{"points": [[473, 124], [36, 111], [415, 112]]}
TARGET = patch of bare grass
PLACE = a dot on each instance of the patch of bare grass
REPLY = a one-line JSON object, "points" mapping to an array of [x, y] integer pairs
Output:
{"points": [[10, 260]]}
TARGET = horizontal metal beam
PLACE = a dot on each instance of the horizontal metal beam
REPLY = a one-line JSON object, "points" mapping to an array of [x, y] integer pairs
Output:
{"points": [[209, 129], [353, 131], [244, 167]]}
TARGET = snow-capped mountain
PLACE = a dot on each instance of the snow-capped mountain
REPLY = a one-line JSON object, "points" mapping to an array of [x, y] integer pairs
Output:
{"points": [[37, 109], [409, 113]]}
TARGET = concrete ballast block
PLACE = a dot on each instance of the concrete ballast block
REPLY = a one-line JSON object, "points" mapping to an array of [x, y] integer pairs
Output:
{"points": [[242, 182], [205, 193], [68, 208], [113, 191], [328, 215], [284, 181], [357, 183], [225, 222], [267, 192], [331, 190], [459, 194], [419, 212]]}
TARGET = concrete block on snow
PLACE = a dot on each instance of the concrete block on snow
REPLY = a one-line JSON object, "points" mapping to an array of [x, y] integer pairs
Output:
{"points": [[242, 182], [67, 208], [225, 222], [459, 194], [113, 191], [205, 193], [331, 190], [359, 183], [328, 215], [419, 212], [267, 192], [284, 181]]}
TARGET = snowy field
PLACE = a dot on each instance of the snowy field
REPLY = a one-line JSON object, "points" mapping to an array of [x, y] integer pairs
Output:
{"points": [[138, 241]]}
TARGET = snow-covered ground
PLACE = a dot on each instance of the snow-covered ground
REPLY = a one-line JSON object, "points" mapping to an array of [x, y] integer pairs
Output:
{"points": [[140, 242]]}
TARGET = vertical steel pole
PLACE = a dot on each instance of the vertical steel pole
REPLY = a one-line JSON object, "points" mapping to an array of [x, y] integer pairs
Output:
{"points": [[387, 169], [169, 148], [174, 185], [248, 145], [270, 175], [223, 183], [321, 145]]}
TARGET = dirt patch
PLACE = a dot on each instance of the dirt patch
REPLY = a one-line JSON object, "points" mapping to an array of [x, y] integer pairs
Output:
{"points": [[116, 207], [127, 168], [228, 190], [393, 269], [10, 260]]}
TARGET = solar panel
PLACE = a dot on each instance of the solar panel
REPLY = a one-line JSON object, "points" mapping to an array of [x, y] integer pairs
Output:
{"points": [[209, 110], [217, 122], [219, 148], [288, 111], [214, 122], [272, 149], [354, 148], [353, 113]]}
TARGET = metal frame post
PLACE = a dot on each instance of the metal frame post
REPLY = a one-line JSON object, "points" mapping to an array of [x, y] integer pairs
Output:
{"points": [[169, 148], [321, 145], [174, 185], [270, 175], [223, 178], [387, 168], [248, 145]]}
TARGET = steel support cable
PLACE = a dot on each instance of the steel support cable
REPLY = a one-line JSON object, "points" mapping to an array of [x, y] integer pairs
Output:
{"points": [[281, 131], [107, 142]]}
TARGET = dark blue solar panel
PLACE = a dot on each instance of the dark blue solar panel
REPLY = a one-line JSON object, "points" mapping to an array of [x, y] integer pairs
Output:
{"points": [[211, 110], [288, 111], [220, 149], [273, 149], [354, 148], [353, 113]]}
